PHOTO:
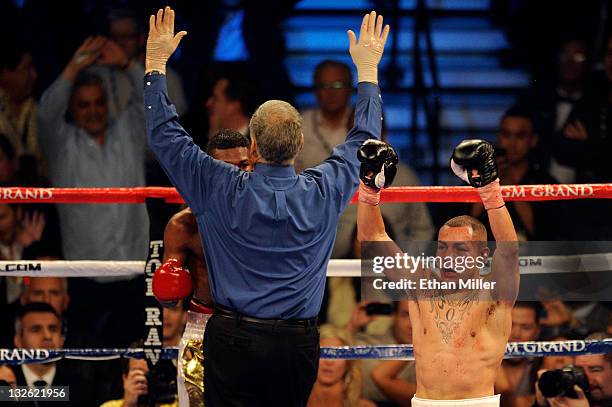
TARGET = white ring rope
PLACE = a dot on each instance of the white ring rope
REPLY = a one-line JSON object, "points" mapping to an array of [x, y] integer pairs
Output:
{"points": [[336, 268]]}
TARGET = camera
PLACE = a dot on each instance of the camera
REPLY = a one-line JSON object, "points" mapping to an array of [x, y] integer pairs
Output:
{"points": [[560, 382], [161, 383]]}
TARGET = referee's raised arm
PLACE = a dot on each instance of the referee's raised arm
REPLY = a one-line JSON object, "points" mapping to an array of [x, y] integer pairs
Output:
{"points": [[341, 168], [183, 161]]}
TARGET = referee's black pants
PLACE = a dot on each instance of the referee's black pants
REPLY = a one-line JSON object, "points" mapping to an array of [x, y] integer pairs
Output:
{"points": [[247, 364]]}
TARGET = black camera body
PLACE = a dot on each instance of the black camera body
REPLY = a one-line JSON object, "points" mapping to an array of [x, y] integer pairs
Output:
{"points": [[560, 382], [161, 384]]}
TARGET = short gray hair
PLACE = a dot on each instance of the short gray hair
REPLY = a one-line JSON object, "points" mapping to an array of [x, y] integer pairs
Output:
{"points": [[277, 128]]}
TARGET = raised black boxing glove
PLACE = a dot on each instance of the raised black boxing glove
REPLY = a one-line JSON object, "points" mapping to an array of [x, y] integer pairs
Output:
{"points": [[378, 164], [476, 155]]}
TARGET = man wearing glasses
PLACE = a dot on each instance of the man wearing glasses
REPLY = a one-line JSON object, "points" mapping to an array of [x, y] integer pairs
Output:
{"points": [[326, 126]]}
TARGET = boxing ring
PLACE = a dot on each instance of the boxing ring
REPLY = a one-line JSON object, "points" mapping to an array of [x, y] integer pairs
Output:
{"points": [[336, 268]]}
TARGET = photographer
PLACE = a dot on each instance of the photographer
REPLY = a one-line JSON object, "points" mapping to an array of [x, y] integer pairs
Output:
{"points": [[589, 383], [137, 390], [580, 399]]}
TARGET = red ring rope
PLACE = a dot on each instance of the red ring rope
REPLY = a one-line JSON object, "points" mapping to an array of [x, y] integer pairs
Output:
{"points": [[396, 194]]}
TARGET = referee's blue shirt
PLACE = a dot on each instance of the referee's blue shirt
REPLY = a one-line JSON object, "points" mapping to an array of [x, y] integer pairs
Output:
{"points": [[268, 235]]}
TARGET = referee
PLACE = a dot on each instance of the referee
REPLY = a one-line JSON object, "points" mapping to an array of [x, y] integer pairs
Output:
{"points": [[268, 234]]}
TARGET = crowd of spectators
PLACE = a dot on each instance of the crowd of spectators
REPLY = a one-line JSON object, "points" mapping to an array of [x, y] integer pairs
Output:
{"points": [[81, 124]]}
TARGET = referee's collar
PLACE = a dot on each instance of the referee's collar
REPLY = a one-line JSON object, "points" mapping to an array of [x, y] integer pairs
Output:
{"points": [[271, 170]]}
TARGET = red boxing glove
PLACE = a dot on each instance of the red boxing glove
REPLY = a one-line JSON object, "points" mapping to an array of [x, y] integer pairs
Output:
{"points": [[171, 283]]}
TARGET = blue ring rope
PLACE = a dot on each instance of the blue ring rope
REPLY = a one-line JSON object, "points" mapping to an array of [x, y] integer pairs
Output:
{"points": [[513, 350]]}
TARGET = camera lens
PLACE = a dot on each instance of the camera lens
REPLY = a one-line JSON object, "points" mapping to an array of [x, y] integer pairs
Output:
{"points": [[561, 382], [552, 383]]}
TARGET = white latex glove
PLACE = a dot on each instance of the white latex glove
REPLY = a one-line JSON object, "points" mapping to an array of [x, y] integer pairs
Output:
{"points": [[367, 52], [161, 42]]}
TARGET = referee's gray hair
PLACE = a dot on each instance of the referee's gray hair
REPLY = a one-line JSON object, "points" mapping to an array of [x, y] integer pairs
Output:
{"points": [[277, 128]]}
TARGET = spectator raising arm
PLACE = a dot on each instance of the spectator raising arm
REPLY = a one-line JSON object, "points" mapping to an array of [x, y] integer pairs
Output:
{"points": [[55, 100], [133, 114], [85, 55]]}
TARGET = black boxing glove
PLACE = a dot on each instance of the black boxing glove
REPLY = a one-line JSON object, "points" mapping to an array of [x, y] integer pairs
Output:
{"points": [[478, 155], [378, 164]]}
